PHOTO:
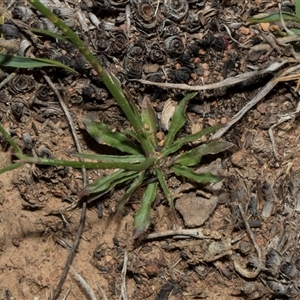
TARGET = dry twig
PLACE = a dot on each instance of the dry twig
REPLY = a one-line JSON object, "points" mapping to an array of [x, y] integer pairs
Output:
{"points": [[123, 276], [225, 83], [84, 284], [195, 233], [238, 268], [101, 292]]}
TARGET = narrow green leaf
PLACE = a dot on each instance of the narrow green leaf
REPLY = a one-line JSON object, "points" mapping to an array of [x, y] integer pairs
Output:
{"points": [[193, 157], [133, 186], [28, 62], [133, 159], [295, 30], [10, 140], [107, 183], [190, 138], [163, 184], [49, 33], [103, 135], [142, 218], [10, 167], [275, 17], [149, 120], [178, 119], [85, 164], [198, 177], [297, 4]]}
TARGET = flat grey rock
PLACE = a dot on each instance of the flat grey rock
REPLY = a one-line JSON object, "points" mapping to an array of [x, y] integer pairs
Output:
{"points": [[195, 210]]}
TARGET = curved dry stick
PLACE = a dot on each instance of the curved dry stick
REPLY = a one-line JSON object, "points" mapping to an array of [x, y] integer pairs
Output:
{"points": [[225, 83], [198, 233], [238, 268]]}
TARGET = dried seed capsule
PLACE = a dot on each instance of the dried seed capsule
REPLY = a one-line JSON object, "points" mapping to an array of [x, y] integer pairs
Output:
{"points": [[167, 28], [89, 91], [155, 77], [17, 109], [48, 25], [22, 13], [102, 42], [192, 23], [273, 261], [119, 42], [28, 143], [193, 48], [253, 204], [63, 11], [133, 67], [183, 74], [21, 84], [145, 14], [277, 288], [43, 152], [175, 10], [174, 46], [289, 270], [170, 75], [137, 50], [44, 93], [10, 31], [67, 60], [157, 54], [122, 77], [81, 64]]}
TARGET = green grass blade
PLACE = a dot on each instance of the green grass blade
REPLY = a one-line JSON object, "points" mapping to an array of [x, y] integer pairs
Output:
{"points": [[107, 183], [28, 62], [84, 164], [49, 33], [149, 121], [275, 17], [198, 177], [190, 138], [103, 135], [133, 186], [297, 4], [194, 156], [10, 140], [142, 218], [163, 184], [132, 159], [178, 119], [10, 167]]}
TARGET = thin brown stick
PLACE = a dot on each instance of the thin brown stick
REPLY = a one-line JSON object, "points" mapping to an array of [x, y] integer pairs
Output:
{"points": [[84, 284], [238, 268], [197, 233], [123, 275], [225, 83]]}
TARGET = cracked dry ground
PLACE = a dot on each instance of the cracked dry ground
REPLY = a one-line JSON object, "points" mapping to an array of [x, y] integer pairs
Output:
{"points": [[36, 232]]}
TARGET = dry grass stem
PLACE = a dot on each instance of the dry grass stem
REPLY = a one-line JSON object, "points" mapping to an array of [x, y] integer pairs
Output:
{"points": [[197, 233], [123, 276], [238, 268], [84, 284]]}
